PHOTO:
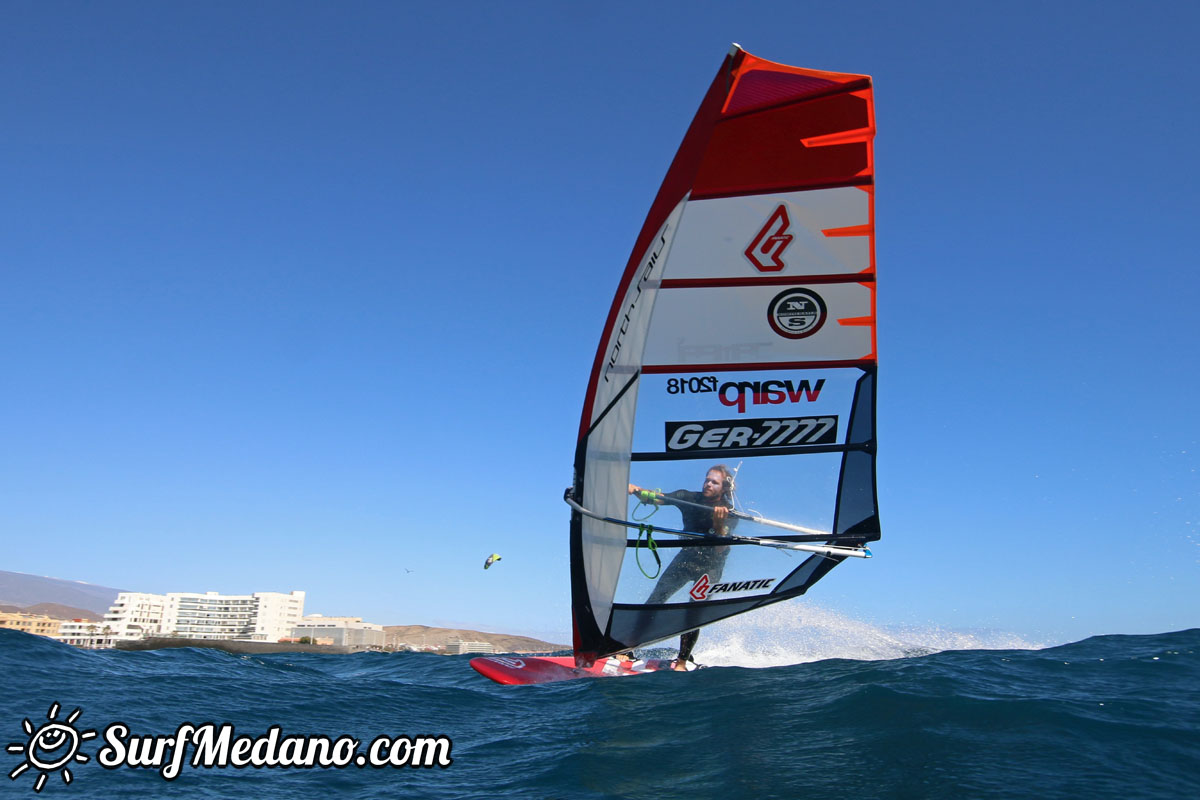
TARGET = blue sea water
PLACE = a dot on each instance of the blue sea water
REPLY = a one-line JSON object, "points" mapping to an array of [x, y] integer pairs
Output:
{"points": [[1109, 717]]}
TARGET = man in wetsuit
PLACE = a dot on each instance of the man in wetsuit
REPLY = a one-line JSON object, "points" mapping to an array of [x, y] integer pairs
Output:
{"points": [[703, 512]]}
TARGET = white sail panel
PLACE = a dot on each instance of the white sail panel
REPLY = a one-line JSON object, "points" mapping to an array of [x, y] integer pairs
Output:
{"points": [[626, 334], [761, 324], [615, 403], [808, 238]]}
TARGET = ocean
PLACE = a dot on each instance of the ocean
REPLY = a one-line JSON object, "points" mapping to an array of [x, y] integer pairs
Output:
{"points": [[1108, 717]]}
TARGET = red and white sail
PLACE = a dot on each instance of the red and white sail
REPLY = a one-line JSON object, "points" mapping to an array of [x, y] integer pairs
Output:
{"points": [[742, 332]]}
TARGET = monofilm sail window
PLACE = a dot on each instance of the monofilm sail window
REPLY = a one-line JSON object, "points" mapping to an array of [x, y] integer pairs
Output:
{"points": [[742, 333]]}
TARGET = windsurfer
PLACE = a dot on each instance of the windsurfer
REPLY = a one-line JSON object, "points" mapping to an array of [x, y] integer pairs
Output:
{"points": [[703, 511]]}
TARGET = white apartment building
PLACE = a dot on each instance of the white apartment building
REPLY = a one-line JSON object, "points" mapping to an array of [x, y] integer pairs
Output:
{"points": [[262, 616], [83, 633], [458, 647], [341, 631], [134, 615]]}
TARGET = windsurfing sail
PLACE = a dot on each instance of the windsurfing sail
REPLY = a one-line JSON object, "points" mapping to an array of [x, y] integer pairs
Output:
{"points": [[742, 333]]}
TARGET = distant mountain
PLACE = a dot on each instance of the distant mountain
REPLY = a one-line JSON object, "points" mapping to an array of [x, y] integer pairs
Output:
{"points": [[54, 610], [419, 635], [59, 611], [19, 589]]}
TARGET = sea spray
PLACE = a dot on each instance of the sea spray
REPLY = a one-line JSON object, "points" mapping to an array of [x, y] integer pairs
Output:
{"points": [[799, 632]]}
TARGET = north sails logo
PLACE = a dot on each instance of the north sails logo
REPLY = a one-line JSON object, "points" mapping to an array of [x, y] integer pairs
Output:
{"points": [[702, 588], [797, 313], [767, 248]]}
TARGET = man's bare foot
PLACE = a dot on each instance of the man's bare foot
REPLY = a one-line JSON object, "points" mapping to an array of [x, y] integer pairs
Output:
{"points": [[680, 665]]}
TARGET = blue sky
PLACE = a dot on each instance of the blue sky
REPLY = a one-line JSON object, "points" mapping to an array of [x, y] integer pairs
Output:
{"points": [[305, 295]]}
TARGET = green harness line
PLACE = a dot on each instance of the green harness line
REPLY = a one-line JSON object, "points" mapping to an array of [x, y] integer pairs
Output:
{"points": [[648, 531], [646, 498]]}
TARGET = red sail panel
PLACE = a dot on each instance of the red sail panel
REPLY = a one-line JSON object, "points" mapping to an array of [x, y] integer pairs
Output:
{"points": [[816, 131], [766, 151]]}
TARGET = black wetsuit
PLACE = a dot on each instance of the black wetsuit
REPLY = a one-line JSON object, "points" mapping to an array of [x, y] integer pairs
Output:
{"points": [[692, 562]]}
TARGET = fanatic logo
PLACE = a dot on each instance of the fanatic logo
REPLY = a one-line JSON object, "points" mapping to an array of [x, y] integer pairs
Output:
{"points": [[511, 663], [702, 588], [766, 250]]}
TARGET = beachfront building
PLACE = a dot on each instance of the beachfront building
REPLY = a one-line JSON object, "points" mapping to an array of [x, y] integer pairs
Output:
{"points": [[132, 616], [85, 633], [341, 631], [458, 647], [135, 615], [262, 616], [38, 624]]}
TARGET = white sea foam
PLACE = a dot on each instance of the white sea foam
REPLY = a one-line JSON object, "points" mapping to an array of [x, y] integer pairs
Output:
{"points": [[798, 632]]}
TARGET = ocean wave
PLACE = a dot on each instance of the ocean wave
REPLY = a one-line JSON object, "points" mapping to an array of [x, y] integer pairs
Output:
{"points": [[821, 707]]}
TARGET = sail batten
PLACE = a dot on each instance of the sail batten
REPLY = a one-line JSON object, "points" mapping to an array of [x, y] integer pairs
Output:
{"points": [[858, 182], [742, 331], [733, 283], [672, 369]]}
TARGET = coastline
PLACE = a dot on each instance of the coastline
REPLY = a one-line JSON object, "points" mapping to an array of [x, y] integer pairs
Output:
{"points": [[239, 646], [421, 638]]}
